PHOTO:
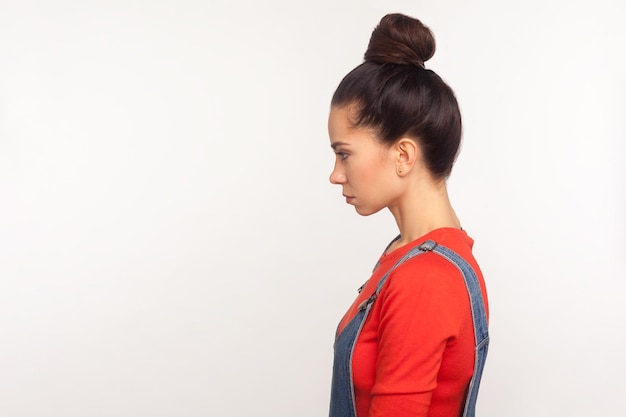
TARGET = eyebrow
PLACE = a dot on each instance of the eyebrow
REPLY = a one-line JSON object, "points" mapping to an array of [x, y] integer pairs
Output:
{"points": [[334, 145]]}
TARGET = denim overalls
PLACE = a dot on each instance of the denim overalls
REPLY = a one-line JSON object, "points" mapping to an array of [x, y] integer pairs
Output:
{"points": [[342, 401]]}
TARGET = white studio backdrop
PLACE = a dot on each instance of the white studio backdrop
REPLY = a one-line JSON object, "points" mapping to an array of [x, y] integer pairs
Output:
{"points": [[170, 244]]}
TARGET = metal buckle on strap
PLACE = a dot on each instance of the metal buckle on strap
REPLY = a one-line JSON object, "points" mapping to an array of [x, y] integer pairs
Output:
{"points": [[428, 245], [367, 302]]}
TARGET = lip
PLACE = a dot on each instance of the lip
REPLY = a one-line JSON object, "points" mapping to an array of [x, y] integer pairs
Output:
{"points": [[349, 198]]}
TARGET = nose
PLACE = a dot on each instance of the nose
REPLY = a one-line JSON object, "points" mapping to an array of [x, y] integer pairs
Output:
{"points": [[337, 177]]}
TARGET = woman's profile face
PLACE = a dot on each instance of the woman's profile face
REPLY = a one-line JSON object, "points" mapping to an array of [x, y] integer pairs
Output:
{"points": [[364, 166]]}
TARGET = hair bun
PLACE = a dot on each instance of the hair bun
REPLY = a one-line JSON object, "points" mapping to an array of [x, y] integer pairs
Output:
{"points": [[400, 39]]}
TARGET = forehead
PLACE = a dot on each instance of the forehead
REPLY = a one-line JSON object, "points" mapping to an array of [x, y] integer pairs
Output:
{"points": [[341, 127], [338, 122]]}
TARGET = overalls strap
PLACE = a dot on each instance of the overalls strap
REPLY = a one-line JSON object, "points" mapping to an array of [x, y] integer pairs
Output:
{"points": [[342, 402], [479, 317]]}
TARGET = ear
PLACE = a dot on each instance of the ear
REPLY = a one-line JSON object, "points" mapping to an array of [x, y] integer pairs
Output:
{"points": [[408, 153]]}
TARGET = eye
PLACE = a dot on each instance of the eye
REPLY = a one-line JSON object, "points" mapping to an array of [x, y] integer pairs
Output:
{"points": [[342, 155]]}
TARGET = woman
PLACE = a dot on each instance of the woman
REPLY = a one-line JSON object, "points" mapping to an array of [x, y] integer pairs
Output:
{"points": [[414, 341]]}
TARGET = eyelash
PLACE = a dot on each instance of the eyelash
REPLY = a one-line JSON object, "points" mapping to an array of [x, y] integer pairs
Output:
{"points": [[342, 155]]}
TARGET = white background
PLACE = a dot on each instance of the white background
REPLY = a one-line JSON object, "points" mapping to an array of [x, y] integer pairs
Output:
{"points": [[170, 244]]}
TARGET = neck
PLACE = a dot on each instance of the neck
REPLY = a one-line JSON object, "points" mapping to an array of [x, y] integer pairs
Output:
{"points": [[423, 210]]}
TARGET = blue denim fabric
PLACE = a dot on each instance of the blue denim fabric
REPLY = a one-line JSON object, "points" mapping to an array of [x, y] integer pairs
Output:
{"points": [[342, 401], [479, 316]]}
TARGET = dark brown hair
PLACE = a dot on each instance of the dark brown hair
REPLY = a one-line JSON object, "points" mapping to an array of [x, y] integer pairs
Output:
{"points": [[397, 97]]}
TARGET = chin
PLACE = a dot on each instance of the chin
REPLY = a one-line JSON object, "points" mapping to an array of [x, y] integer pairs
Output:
{"points": [[366, 211]]}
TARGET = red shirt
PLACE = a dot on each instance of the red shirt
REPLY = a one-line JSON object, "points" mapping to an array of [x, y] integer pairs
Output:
{"points": [[415, 353]]}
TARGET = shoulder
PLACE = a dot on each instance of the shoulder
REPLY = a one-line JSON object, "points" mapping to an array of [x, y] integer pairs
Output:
{"points": [[430, 278], [428, 271], [431, 272], [427, 291]]}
